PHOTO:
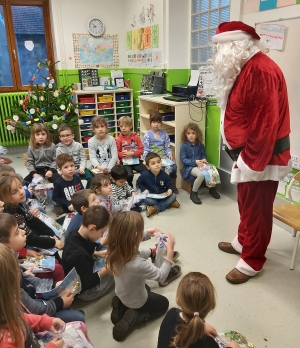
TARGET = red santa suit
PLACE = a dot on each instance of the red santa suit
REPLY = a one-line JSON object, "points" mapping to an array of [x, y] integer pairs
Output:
{"points": [[255, 118]]}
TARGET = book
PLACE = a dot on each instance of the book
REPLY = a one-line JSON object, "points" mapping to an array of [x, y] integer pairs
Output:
{"points": [[157, 195], [71, 282], [131, 160], [224, 338], [95, 171], [41, 264], [55, 227]]}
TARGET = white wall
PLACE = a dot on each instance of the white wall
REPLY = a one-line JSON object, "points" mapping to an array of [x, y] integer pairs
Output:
{"points": [[71, 16]]}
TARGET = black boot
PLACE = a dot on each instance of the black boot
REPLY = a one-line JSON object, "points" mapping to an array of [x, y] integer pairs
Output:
{"points": [[194, 197], [214, 193], [173, 182], [130, 319]]}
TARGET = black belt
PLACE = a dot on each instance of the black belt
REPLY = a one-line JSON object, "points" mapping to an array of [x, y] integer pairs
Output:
{"points": [[280, 146]]}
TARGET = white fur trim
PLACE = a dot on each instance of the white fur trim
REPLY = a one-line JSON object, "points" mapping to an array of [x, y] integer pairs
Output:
{"points": [[236, 245], [234, 35], [243, 267], [244, 174]]}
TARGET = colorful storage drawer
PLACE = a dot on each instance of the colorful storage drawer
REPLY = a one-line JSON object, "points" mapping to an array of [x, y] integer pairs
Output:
{"points": [[85, 145], [86, 112], [121, 115], [172, 138], [87, 134], [111, 130], [111, 123], [87, 106], [105, 105], [86, 99], [122, 110], [105, 98], [122, 97], [110, 117], [168, 116], [123, 103], [85, 126], [87, 119], [86, 139], [106, 112]]}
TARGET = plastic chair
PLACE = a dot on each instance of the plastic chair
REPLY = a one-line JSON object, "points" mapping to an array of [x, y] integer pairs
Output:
{"points": [[290, 215]]}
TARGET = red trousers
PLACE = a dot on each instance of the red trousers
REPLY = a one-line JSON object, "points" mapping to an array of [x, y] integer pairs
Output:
{"points": [[57, 275], [255, 202]]}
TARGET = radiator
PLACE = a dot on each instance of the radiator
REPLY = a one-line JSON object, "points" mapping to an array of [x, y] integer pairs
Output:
{"points": [[6, 137]]}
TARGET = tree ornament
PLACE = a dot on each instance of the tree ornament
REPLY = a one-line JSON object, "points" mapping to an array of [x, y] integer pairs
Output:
{"points": [[21, 102], [32, 111], [80, 122], [55, 94], [15, 117], [62, 107], [42, 98], [54, 126]]}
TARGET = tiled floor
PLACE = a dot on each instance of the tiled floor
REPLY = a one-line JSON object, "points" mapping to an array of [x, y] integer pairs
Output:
{"points": [[266, 309]]}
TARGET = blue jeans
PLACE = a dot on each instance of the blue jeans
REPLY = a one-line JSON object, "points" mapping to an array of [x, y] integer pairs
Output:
{"points": [[161, 204], [68, 315]]}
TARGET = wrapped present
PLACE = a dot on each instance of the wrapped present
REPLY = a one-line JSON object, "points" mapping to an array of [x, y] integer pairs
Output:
{"points": [[211, 174], [41, 264], [224, 338]]}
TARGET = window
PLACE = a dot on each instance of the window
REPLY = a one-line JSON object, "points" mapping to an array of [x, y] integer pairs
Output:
{"points": [[25, 36], [206, 16]]}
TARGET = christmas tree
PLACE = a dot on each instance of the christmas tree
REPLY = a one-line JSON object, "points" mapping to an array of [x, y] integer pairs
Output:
{"points": [[46, 104]]}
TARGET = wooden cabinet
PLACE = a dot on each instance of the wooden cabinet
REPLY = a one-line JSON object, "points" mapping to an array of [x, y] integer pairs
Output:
{"points": [[112, 104], [182, 112]]}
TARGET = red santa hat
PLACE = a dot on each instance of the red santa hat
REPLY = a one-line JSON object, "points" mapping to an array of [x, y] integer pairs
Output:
{"points": [[234, 31]]}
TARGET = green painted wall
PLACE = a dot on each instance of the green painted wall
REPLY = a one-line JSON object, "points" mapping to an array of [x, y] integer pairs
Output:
{"points": [[212, 134]]}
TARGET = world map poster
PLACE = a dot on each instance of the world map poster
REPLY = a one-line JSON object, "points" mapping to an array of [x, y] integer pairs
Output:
{"points": [[95, 52]]}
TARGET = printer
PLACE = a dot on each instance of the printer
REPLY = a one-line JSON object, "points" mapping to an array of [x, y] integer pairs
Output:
{"points": [[190, 89]]}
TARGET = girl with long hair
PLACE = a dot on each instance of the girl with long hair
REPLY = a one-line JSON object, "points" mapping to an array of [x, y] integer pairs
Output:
{"points": [[41, 154], [186, 327], [134, 302], [16, 327]]}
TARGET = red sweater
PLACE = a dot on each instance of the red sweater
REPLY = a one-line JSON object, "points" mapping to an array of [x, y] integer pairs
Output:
{"points": [[128, 144], [38, 323]]}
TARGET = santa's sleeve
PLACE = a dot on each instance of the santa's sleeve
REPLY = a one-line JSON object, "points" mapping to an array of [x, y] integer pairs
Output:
{"points": [[260, 94]]}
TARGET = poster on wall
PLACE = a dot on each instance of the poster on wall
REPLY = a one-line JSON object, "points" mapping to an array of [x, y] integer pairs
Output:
{"points": [[134, 36], [95, 52], [156, 58], [272, 35], [147, 37], [140, 39], [128, 40], [252, 6], [155, 36]]}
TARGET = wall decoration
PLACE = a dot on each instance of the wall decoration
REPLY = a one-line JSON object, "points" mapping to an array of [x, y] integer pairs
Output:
{"points": [[95, 52], [142, 16], [134, 44], [133, 22], [156, 58], [155, 36], [272, 35], [251, 6], [128, 40], [147, 37], [140, 38], [150, 13]]}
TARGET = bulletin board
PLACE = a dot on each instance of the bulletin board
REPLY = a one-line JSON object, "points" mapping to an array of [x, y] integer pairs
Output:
{"points": [[288, 61]]}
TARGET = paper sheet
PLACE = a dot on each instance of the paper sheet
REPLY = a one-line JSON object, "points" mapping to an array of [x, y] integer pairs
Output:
{"points": [[194, 78]]}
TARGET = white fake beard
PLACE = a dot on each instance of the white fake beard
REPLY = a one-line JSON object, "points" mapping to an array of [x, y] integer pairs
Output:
{"points": [[227, 61]]}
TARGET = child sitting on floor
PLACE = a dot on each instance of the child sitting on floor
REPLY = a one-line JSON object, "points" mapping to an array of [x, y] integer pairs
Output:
{"points": [[186, 327], [134, 302], [193, 157], [157, 140], [16, 327], [130, 148], [15, 238], [102, 188], [67, 184], [79, 251], [71, 147], [156, 181], [81, 200]]}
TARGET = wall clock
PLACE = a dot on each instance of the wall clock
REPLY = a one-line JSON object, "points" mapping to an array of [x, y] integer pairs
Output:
{"points": [[95, 27]]}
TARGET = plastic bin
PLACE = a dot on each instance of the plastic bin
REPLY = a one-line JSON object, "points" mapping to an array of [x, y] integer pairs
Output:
{"points": [[105, 105], [105, 98], [121, 115], [172, 138], [106, 111], [123, 103], [86, 112], [87, 106], [123, 110], [87, 119], [86, 99], [111, 123], [168, 116], [111, 130], [122, 97], [110, 117], [85, 126], [85, 145], [86, 139], [87, 134]]}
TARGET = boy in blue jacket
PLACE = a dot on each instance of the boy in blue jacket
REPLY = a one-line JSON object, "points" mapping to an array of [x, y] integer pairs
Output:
{"points": [[156, 181]]}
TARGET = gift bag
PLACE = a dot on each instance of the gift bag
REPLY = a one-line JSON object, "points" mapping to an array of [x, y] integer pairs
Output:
{"points": [[211, 175]]}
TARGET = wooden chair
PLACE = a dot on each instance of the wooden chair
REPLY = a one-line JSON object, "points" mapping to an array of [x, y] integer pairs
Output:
{"points": [[86, 151], [290, 215]]}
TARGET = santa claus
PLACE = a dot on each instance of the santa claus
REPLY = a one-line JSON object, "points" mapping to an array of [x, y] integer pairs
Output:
{"points": [[255, 126]]}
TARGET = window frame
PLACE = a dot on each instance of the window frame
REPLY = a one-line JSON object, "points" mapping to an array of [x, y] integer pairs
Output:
{"points": [[207, 46], [12, 44]]}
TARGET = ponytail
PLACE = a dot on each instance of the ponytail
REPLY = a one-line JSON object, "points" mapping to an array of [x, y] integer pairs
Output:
{"points": [[195, 293]]}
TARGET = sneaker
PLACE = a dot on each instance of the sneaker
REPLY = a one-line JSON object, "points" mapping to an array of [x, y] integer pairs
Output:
{"points": [[116, 314], [176, 255], [175, 204], [151, 210], [143, 207], [214, 193], [174, 273], [122, 328]]}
